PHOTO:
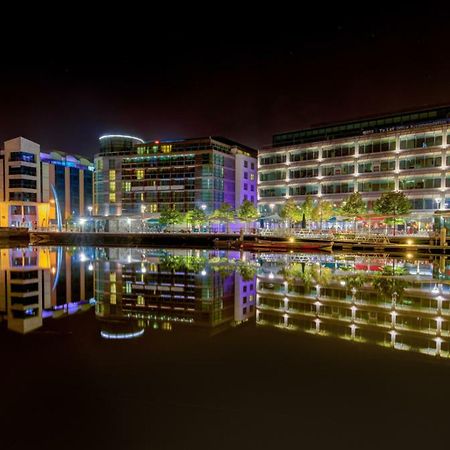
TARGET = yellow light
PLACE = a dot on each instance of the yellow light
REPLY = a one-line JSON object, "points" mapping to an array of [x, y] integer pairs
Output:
{"points": [[409, 255], [410, 242], [291, 240]]}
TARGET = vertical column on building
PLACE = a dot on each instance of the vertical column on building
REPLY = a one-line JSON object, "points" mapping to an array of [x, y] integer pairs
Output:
{"points": [[397, 162], [356, 172], [444, 166], [319, 188]]}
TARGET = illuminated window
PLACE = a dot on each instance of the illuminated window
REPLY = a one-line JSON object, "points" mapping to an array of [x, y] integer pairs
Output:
{"points": [[128, 287], [112, 175], [140, 300], [127, 186], [112, 187], [166, 148], [153, 207], [112, 299], [139, 174], [112, 276], [252, 176], [113, 288], [112, 197]]}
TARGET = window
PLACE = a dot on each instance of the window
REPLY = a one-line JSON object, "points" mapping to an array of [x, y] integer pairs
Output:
{"points": [[140, 174], [252, 166], [245, 164], [272, 159], [252, 176], [246, 175]]}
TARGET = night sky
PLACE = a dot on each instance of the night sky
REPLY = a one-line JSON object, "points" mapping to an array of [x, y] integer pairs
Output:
{"points": [[221, 74]]}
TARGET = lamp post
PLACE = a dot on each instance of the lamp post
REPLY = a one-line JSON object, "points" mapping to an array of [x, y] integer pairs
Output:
{"points": [[203, 207], [90, 210]]}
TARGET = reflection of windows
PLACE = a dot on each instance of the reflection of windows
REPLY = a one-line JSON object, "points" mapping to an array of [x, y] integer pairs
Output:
{"points": [[139, 174], [112, 197], [112, 299], [127, 186], [112, 175], [140, 300]]}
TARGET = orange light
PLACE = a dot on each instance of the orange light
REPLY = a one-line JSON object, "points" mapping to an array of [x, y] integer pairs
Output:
{"points": [[156, 142]]}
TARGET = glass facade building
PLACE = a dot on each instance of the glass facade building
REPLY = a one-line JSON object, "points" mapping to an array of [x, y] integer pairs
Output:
{"points": [[26, 178], [406, 152], [133, 177]]}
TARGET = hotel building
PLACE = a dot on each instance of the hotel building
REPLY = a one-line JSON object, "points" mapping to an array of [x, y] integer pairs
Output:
{"points": [[33, 184], [133, 177], [408, 152]]}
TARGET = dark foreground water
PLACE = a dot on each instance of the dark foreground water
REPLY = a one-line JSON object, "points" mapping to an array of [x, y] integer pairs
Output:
{"points": [[137, 349]]}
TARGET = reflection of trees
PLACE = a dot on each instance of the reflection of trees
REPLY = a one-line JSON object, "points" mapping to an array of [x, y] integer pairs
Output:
{"points": [[390, 287], [308, 274], [247, 270], [226, 267], [356, 280], [186, 263], [223, 266]]}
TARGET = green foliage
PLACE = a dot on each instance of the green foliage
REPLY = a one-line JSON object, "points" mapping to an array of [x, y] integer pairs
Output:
{"points": [[184, 263], [290, 211], [353, 206], [196, 217], [247, 212], [307, 208], [392, 203], [224, 214], [322, 211], [170, 217]]}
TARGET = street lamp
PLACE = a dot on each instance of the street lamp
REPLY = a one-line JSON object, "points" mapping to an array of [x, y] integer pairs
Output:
{"points": [[438, 201], [90, 210], [82, 222]]}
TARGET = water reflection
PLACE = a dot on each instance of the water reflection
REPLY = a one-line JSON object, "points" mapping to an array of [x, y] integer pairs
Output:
{"points": [[137, 289], [402, 304], [36, 283], [398, 303]]}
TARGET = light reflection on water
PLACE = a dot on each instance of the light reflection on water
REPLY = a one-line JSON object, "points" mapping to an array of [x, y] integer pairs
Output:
{"points": [[397, 303]]}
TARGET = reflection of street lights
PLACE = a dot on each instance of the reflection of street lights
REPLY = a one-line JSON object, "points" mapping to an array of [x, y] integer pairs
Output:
{"points": [[129, 224]]}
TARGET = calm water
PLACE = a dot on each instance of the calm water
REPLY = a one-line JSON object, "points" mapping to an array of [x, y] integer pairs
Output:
{"points": [[134, 348]]}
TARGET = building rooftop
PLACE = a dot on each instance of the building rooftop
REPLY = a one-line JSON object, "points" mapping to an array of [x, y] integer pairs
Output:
{"points": [[363, 125]]}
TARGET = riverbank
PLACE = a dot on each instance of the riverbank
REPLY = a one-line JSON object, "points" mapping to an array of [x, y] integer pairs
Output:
{"points": [[395, 245]]}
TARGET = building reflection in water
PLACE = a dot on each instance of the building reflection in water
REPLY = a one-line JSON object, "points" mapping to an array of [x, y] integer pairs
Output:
{"points": [[40, 282], [403, 304], [140, 289]]}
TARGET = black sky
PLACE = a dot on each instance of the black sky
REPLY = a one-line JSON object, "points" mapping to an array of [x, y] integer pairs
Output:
{"points": [[220, 74]]}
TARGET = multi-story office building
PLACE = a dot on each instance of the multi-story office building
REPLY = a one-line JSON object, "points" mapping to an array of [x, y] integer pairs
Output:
{"points": [[33, 184], [134, 177], [406, 152], [352, 298]]}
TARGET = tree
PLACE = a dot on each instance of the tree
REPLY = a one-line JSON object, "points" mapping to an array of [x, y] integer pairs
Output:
{"points": [[224, 214], [392, 203], [247, 212], [322, 211], [196, 217], [307, 207], [170, 217], [353, 206], [291, 212]]}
